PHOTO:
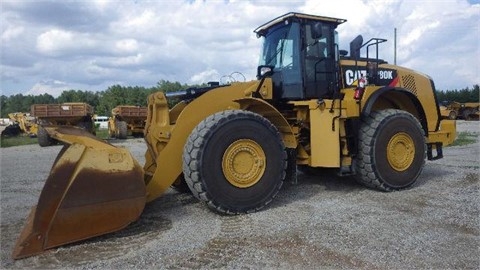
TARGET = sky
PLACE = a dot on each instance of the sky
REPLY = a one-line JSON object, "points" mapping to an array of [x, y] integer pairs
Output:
{"points": [[52, 46]]}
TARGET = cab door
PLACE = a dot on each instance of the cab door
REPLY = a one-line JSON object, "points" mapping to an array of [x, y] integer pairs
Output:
{"points": [[319, 53]]}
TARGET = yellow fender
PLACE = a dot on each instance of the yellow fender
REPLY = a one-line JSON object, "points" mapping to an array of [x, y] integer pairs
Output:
{"points": [[265, 109], [167, 132]]}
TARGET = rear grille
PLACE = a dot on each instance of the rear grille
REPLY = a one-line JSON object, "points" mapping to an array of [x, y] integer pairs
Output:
{"points": [[409, 83]]}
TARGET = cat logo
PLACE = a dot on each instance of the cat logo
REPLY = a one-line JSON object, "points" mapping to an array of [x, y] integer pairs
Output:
{"points": [[351, 76]]}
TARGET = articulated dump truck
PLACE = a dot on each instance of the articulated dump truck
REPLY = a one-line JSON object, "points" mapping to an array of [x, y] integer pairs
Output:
{"points": [[70, 114], [467, 111], [312, 106], [127, 120]]}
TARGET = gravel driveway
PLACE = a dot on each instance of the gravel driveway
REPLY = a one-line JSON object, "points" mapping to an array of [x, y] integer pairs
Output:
{"points": [[321, 222]]}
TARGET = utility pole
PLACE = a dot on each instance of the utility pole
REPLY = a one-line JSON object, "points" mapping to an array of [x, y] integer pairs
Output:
{"points": [[395, 46]]}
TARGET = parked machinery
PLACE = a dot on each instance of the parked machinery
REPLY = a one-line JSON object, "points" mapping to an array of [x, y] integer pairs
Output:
{"points": [[235, 145], [22, 123], [127, 120], [456, 110], [61, 115]]}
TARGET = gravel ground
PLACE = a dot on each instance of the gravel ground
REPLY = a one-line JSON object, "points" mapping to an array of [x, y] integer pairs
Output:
{"points": [[321, 222]]}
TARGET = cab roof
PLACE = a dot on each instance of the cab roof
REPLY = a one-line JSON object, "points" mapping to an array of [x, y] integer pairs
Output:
{"points": [[263, 28]]}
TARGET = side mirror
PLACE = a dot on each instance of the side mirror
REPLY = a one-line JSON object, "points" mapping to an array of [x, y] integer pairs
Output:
{"points": [[343, 52], [264, 71], [316, 30]]}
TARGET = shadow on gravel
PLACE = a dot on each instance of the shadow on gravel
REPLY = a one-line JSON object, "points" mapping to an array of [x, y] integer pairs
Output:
{"points": [[311, 183], [432, 172]]}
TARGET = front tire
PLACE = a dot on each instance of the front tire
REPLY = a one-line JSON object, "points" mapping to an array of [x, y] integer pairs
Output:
{"points": [[452, 115], [122, 130], [235, 161], [392, 150], [43, 138]]}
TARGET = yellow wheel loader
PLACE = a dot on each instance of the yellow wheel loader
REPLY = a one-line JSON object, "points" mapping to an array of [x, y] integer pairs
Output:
{"points": [[234, 145], [23, 123]]}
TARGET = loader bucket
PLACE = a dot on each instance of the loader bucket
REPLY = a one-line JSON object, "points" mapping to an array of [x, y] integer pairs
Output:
{"points": [[93, 188]]}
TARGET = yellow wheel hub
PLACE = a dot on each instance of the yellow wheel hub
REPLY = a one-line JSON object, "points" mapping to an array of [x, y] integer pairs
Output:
{"points": [[243, 163], [400, 151]]}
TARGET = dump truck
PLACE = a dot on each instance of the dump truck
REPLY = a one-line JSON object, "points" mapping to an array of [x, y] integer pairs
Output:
{"points": [[456, 110], [22, 123], [126, 121], [74, 114], [312, 105]]}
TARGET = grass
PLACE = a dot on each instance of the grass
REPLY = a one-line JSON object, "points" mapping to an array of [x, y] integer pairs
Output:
{"points": [[25, 140], [16, 141], [102, 134], [465, 138]]}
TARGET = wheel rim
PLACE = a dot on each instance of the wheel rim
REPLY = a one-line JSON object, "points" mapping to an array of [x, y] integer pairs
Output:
{"points": [[243, 163], [401, 151]]}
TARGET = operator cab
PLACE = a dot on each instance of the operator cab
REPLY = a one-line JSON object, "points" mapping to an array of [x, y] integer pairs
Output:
{"points": [[300, 53]]}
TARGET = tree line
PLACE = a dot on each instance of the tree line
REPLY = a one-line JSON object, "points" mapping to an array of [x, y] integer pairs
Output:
{"points": [[105, 101], [102, 101], [462, 96]]}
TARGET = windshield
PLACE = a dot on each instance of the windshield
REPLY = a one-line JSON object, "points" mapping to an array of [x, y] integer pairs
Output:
{"points": [[279, 47]]}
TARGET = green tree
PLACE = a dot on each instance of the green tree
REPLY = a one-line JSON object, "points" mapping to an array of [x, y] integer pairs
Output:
{"points": [[167, 86], [115, 95], [3, 103], [15, 104], [44, 99], [462, 95]]}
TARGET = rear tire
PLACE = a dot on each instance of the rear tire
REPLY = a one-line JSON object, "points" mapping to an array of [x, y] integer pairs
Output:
{"points": [[466, 114], [235, 161], [121, 130], [11, 131], [392, 150], [452, 115], [43, 138], [88, 126]]}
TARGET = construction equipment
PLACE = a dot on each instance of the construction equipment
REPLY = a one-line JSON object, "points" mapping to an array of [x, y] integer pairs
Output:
{"points": [[127, 120], [65, 114], [235, 145], [23, 123], [456, 110]]}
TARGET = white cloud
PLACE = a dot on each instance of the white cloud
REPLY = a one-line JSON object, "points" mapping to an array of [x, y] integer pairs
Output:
{"points": [[205, 76], [127, 45], [94, 43], [52, 87], [12, 32], [57, 42], [54, 40]]}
